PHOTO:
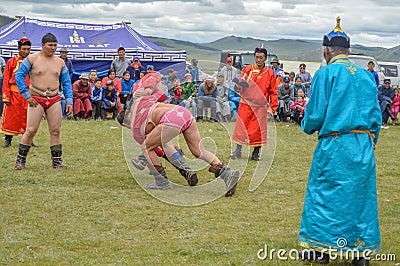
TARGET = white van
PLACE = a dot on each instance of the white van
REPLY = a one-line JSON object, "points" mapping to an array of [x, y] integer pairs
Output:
{"points": [[391, 71], [362, 61]]}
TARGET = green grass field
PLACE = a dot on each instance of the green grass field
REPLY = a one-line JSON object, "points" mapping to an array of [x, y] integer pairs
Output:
{"points": [[95, 213]]}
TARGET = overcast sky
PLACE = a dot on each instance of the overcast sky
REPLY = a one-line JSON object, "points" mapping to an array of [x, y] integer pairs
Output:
{"points": [[370, 23]]}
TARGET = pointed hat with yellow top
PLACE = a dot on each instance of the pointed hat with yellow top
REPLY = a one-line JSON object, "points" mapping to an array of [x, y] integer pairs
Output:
{"points": [[337, 37]]}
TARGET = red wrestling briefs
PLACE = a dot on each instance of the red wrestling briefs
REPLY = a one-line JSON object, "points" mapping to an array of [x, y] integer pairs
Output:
{"points": [[46, 102]]}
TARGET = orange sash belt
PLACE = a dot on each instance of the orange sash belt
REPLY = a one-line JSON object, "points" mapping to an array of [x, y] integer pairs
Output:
{"points": [[357, 131]]}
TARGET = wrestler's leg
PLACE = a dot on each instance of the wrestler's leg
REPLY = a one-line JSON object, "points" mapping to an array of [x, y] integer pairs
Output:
{"points": [[193, 140], [34, 116], [54, 124], [153, 140]]}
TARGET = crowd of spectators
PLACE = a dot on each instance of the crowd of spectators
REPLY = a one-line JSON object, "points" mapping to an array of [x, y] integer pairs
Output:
{"points": [[212, 99]]}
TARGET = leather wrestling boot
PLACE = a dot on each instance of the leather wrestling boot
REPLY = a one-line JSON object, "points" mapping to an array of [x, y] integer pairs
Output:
{"points": [[140, 162], [23, 151], [255, 156], [7, 142], [179, 163], [360, 262], [56, 153], [237, 154], [161, 179], [230, 177], [312, 255]]}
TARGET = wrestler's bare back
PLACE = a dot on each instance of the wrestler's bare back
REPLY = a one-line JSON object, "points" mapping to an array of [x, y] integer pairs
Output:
{"points": [[45, 73]]}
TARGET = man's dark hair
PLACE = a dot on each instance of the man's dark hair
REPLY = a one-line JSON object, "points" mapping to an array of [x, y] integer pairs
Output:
{"points": [[121, 48], [49, 37]]}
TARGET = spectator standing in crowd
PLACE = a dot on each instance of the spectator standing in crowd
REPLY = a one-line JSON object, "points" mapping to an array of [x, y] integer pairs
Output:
{"points": [[286, 98], [93, 77], [189, 92], [194, 71], [341, 200], [117, 84], [229, 72], [207, 97], [15, 106], [46, 71], [298, 85], [234, 101], [260, 91], [305, 77], [109, 99], [223, 109], [68, 62], [276, 66], [120, 64], [127, 87], [370, 67], [385, 97], [298, 107], [96, 99], [395, 105], [82, 91], [2, 67], [135, 68]]}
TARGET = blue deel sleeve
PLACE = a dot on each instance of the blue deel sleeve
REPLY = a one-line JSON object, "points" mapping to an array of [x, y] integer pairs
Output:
{"points": [[66, 84], [23, 70]]}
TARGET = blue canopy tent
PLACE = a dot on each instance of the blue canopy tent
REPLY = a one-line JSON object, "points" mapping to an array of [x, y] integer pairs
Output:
{"points": [[90, 46]]}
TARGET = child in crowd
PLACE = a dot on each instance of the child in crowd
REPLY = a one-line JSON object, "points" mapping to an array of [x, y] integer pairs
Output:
{"points": [[96, 99], [298, 85], [395, 104], [176, 96], [298, 107], [127, 86], [109, 99]]}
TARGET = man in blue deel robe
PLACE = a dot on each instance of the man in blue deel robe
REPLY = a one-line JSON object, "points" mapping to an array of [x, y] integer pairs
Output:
{"points": [[340, 211]]}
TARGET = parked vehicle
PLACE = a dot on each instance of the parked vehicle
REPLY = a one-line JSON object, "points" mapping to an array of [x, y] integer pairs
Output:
{"points": [[362, 61], [391, 71], [241, 59]]}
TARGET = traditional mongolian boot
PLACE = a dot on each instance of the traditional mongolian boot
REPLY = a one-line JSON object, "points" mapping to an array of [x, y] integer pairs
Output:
{"points": [[140, 162], [23, 151], [7, 142], [179, 163], [237, 154], [312, 255], [56, 153], [256, 154], [230, 177], [360, 262], [161, 179]]}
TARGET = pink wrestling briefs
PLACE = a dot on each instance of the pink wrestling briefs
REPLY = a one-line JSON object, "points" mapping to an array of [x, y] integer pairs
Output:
{"points": [[179, 118]]}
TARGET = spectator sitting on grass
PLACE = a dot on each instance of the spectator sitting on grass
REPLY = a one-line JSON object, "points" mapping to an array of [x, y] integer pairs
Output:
{"points": [[298, 107], [109, 99], [176, 92], [82, 91]]}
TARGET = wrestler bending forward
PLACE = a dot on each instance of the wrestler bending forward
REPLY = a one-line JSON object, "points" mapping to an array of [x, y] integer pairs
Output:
{"points": [[155, 124]]}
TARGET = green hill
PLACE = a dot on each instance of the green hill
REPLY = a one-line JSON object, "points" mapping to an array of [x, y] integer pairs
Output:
{"points": [[286, 49]]}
